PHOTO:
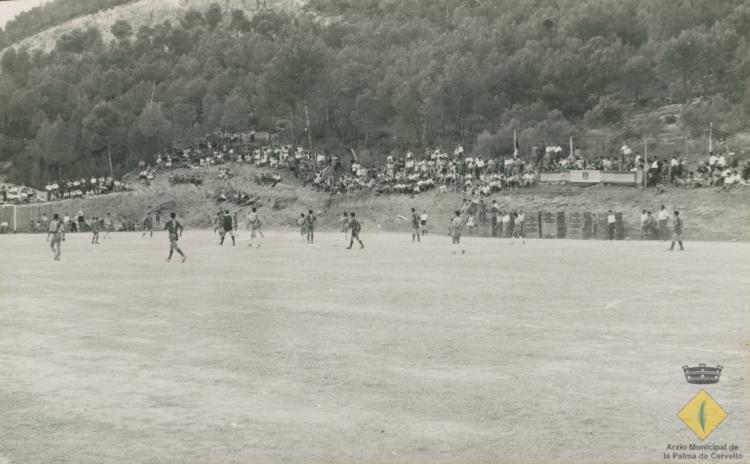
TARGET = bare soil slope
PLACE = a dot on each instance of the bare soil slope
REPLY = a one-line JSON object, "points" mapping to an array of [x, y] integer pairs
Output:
{"points": [[709, 214]]}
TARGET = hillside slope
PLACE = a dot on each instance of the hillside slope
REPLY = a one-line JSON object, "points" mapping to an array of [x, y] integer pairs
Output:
{"points": [[709, 214], [147, 13]]}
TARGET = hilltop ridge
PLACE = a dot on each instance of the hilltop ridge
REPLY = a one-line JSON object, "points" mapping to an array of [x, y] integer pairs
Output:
{"points": [[147, 13]]}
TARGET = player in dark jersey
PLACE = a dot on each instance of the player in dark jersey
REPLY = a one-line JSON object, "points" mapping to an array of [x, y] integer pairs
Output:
{"points": [[414, 225], [677, 231], [95, 227], [302, 223], [355, 227], [344, 221], [227, 227], [174, 228], [148, 225], [57, 232], [218, 221], [310, 223]]}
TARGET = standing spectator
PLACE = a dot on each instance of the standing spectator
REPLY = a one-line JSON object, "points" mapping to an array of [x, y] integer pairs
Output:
{"points": [[644, 224], [611, 224], [519, 229], [650, 226], [81, 221], [507, 232], [712, 161], [674, 169], [663, 218], [625, 151], [722, 162]]}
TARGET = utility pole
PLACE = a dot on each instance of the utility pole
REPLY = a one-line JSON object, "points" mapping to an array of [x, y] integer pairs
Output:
{"points": [[109, 158], [307, 129], [645, 163]]}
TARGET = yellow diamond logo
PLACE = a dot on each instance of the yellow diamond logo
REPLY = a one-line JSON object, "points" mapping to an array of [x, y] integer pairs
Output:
{"points": [[702, 414]]}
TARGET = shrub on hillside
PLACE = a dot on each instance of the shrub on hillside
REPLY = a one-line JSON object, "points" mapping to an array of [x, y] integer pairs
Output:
{"points": [[608, 112]]}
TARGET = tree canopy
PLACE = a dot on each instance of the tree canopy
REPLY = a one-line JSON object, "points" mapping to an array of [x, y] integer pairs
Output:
{"points": [[377, 74]]}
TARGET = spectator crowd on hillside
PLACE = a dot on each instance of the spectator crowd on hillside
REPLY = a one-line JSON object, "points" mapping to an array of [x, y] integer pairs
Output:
{"points": [[84, 187], [435, 169], [18, 195], [432, 170]]}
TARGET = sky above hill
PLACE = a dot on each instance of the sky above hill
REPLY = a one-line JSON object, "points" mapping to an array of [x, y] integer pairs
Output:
{"points": [[10, 8]]}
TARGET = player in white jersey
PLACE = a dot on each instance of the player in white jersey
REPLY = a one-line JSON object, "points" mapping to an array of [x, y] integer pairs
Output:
{"points": [[254, 222], [423, 222], [456, 229], [108, 225], [57, 232]]}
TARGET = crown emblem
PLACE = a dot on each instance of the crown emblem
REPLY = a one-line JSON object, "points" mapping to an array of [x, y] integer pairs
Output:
{"points": [[702, 374]]}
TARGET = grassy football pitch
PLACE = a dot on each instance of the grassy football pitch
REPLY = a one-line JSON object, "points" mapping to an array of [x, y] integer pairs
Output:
{"points": [[564, 351]]}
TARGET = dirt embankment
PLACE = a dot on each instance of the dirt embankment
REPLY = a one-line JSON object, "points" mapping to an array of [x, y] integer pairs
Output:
{"points": [[709, 214]]}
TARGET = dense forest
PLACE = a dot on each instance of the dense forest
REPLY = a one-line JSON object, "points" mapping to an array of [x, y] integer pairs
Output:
{"points": [[372, 74]]}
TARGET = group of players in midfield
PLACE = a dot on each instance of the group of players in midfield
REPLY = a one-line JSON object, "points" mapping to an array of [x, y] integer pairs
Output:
{"points": [[226, 224]]}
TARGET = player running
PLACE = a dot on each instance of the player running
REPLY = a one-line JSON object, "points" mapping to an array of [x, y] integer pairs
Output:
{"points": [[355, 228], [310, 222], [254, 222], [218, 221], [57, 231], [175, 231], [345, 226], [423, 222], [456, 228], [227, 227], [148, 225]]}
